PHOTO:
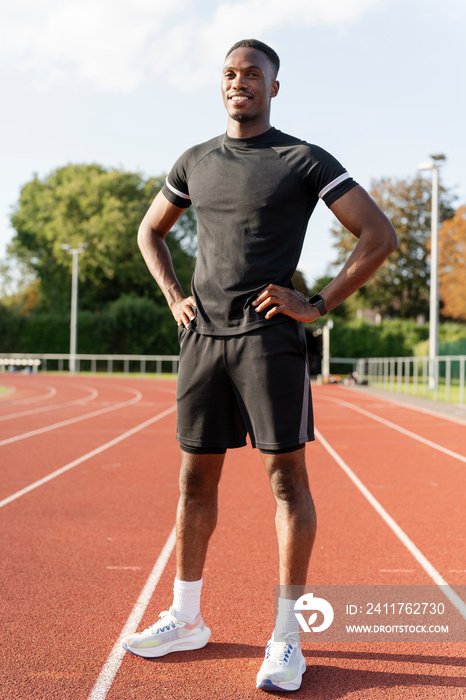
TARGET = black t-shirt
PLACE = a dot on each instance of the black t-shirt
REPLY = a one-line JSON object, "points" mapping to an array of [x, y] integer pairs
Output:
{"points": [[253, 198]]}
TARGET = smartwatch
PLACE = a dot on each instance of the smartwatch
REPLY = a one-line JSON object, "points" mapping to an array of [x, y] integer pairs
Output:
{"points": [[318, 303]]}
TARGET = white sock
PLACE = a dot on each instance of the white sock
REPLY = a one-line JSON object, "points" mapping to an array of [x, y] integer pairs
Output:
{"points": [[187, 599], [286, 622]]}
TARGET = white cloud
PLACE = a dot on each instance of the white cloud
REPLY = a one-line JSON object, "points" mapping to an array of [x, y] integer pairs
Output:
{"points": [[115, 45]]}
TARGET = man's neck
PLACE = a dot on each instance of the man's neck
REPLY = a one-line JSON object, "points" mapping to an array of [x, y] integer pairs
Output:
{"points": [[245, 130]]}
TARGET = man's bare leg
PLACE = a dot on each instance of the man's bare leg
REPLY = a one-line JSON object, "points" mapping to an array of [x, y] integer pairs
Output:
{"points": [[295, 522], [295, 518], [196, 516]]}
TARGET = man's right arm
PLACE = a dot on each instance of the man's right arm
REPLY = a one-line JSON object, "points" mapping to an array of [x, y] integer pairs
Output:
{"points": [[160, 218]]}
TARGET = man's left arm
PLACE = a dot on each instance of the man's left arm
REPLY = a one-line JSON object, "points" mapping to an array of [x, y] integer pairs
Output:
{"points": [[357, 212]]}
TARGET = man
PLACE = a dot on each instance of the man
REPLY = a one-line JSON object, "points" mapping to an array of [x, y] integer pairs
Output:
{"points": [[243, 365]]}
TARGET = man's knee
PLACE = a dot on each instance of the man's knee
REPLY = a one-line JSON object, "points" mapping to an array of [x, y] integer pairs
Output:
{"points": [[200, 475], [287, 490], [288, 476]]}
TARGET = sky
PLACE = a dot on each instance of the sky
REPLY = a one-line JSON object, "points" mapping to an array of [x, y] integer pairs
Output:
{"points": [[132, 84]]}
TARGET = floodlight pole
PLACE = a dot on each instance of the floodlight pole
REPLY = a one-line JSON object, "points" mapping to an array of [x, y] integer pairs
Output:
{"points": [[434, 293], [75, 252]]}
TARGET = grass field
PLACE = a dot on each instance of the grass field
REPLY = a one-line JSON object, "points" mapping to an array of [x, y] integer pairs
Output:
{"points": [[411, 389]]}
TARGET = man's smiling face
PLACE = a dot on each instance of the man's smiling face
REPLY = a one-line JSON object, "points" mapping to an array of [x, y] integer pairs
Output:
{"points": [[248, 84]]}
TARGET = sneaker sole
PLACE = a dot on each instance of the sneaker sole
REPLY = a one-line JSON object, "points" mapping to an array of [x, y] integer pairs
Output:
{"points": [[189, 644], [295, 684]]}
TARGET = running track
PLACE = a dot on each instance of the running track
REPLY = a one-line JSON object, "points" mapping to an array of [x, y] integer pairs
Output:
{"points": [[89, 488]]}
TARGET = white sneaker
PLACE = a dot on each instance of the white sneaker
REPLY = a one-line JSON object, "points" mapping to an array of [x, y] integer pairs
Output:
{"points": [[166, 635], [283, 666]]}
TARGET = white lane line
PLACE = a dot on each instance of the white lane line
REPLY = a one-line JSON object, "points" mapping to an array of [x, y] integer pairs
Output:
{"points": [[394, 426], [110, 669], [48, 395], [51, 407], [85, 457], [70, 421], [454, 599], [407, 405]]}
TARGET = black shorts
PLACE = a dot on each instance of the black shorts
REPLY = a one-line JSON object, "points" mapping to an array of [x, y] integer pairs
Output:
{"points": [[256, 383]]}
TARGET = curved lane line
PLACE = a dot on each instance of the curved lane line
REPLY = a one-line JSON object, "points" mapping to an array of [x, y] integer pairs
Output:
{"points": [[70, 421], [454, 599], [394, 426], [52, 391], [110, 669], [53, 406], [85, 457]]}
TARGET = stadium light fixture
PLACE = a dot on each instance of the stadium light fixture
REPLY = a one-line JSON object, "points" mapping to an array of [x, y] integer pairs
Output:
{"points": [[433, 165], [75, 252]]}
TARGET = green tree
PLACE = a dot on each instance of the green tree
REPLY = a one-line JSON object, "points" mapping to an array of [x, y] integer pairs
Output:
{"points": [[102, 207], [400, 287]]}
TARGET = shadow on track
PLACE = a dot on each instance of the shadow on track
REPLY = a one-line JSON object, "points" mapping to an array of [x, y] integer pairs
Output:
{"points": [[330, 682]]}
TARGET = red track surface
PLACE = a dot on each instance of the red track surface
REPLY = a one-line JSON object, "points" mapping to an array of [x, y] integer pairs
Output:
{"points": [[78, 549]]}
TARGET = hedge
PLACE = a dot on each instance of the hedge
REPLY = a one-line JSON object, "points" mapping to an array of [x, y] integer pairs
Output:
{"points": [[391, 338], [127, 326], [134, 326]]}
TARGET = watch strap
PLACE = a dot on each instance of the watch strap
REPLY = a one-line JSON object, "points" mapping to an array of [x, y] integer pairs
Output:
{"points": [[318, 303]]}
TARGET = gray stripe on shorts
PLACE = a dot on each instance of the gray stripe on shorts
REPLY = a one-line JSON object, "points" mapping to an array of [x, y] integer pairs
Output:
{"points": [[303, 428]]}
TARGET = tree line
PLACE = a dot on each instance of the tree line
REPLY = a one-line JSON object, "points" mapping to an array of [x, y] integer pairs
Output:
{"points": [[104, 207], [400, 287]]}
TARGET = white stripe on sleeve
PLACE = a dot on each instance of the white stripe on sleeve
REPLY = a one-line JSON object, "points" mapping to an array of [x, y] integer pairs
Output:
{"points": [[177, 192], [334, 183]]}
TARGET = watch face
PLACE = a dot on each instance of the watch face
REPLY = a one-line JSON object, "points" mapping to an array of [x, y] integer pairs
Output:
{"points": [[319, 304]]}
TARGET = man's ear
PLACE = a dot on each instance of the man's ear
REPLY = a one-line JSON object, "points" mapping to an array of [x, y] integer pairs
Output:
{"points": [[274, 88]]}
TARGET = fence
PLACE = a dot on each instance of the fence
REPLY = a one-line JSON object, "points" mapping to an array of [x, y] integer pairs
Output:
{"points": [[94, 363], [413, 375]]}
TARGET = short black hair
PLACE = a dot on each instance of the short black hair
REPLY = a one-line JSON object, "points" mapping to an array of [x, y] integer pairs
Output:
{"points": [[259, 46]]}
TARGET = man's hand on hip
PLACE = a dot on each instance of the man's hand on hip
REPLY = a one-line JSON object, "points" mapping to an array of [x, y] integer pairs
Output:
{"points": [[183, 312], [282, 300]]}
